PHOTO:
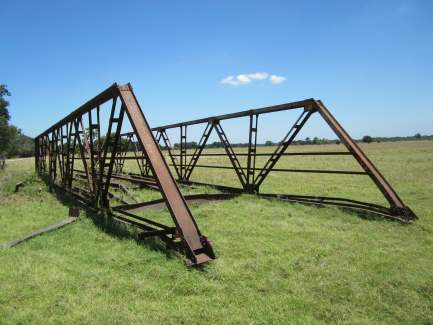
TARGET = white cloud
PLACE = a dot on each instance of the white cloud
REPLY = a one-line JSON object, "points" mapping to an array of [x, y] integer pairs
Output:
{"points": [[276, 79], [258, 75], [243, 79], [231, 80]]}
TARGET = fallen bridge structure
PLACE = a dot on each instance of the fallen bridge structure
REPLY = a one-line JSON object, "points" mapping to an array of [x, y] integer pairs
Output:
{"points": [[75, 146], [250, 177], [89, 153]]}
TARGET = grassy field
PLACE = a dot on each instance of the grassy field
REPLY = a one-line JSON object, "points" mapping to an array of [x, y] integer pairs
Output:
{"points": [[277, 262]]}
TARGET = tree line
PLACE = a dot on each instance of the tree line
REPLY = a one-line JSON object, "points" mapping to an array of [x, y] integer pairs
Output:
{"points": [[12, 141], [309, 141]]}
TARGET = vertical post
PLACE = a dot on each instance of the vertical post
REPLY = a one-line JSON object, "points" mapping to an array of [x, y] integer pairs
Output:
{"points": [[72, 154], [55, 153], [251, 161], [68, 170], [60, 150], [99, 152], [115, 143], [100, 193], [182, 151], [37, 155], [92, 153], [82, 147]]}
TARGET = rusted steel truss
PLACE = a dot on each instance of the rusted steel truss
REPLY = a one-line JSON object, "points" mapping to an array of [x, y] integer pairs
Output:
{"points": [[75, 156], [251, 177], [78, 159]]}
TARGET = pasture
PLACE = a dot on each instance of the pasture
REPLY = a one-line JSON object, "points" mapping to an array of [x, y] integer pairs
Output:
{"points": [[277, 262]]}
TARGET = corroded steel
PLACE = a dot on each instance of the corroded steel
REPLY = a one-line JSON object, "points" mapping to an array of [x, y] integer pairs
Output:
{"points": [[75, 142], [250, 177], [76, 157]]}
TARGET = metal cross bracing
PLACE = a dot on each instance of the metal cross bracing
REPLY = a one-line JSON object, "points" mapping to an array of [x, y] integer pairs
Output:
{"points": [[251, 177], [77, 158]]}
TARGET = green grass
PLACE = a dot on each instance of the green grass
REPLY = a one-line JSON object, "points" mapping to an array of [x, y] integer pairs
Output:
{"points": [[277, 262]]}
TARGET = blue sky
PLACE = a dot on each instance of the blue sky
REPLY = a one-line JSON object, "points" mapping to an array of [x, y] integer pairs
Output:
{"points": [[371, 62]]}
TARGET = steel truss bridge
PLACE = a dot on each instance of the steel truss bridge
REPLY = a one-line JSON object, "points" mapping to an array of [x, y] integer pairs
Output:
{"points": [[85, 154]]}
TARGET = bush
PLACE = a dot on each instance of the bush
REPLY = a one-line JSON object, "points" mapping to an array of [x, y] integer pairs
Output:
{"points": [[367, 139]]}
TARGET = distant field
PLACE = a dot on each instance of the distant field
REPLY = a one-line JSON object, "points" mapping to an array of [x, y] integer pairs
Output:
{"points": [[277, 262]]}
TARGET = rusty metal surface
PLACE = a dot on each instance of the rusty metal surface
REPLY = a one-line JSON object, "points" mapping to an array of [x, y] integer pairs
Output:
{"points": [[396, 204], [76, 142], [69, 220], [250, 177], [249, 112], [77, 138], [190, 199], [175, 202]]}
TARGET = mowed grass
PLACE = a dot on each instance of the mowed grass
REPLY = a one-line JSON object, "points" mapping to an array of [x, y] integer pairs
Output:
{"points": [[277, 262]]}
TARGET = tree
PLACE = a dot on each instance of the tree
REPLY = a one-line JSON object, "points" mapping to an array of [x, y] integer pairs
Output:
{"points": [[5, 132], [12, 141], [4, 103], [4, 135], [20, 144], [367, 139], [417, 136], [269, 143]]}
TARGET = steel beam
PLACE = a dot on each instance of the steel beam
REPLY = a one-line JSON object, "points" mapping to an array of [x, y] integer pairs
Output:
{"points": [[195, 246], [250, 181]]}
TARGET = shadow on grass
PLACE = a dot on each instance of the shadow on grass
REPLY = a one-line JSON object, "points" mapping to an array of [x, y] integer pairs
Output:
{"points": [[362, 214], [357, 212], [119, 230], [105, 223]]}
